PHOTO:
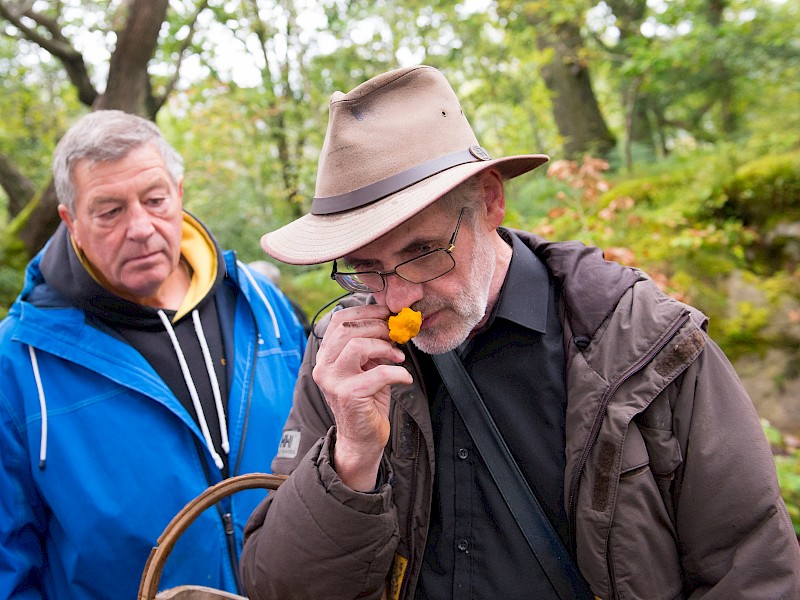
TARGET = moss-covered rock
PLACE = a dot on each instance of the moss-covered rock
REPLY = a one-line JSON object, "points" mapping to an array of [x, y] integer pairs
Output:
{"points": [[765, 191]]}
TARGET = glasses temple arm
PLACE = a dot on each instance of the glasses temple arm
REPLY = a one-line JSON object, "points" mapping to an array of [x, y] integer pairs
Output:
{"points": [[452, 245]]}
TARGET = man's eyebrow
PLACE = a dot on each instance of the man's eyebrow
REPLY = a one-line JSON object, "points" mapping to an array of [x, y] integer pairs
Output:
{"points": [[412, 247], [429, 240], [157, 181], [97, 202], [353, 263]]}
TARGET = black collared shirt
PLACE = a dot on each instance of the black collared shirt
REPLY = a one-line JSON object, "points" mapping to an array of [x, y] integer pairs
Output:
{"points": [[475, 549]]}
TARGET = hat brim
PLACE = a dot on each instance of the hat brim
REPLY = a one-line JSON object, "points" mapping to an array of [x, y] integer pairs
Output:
{"points": [[314, 239]]}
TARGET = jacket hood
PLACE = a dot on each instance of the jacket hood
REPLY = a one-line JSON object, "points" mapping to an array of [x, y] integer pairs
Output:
{"points": [[70, 279], [592, 286]]}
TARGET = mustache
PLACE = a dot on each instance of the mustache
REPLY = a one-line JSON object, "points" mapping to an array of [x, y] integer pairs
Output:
{"points": [[427, 307]]}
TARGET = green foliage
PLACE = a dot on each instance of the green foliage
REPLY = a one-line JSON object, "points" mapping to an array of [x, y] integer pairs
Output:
{"points": [[311, 287], [787, 462], [745, 328], [13, 259], [10, 285], [664, 219], [696, 210], [35, 103]]}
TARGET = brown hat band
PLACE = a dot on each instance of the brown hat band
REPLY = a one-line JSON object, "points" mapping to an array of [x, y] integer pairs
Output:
{"points": [[380, 189]]}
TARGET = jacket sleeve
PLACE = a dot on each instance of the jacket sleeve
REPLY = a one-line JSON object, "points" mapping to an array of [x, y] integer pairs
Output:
{"points": [[21, 515], [314, 537], [734, 532]]}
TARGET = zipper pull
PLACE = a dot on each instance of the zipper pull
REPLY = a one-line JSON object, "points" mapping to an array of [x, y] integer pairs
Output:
{"points": [[227, 520]]}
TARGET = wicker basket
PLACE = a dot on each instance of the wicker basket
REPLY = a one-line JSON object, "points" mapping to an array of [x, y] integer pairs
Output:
{"points": [[148, 587]]}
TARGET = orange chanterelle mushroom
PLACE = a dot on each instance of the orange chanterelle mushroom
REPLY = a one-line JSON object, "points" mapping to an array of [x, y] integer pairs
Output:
{"points": [[404, 325]]}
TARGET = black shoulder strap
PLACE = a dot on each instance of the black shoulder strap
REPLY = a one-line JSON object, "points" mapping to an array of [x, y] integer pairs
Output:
{"points": [[556, 562]]}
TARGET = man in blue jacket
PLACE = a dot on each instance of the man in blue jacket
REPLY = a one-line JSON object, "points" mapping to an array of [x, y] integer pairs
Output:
{"points": [[139, 365]]}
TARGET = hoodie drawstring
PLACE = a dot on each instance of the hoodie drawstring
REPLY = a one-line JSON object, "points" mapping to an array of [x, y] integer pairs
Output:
{"points": [[42, 406], [261, 295], [223, 426], [187, 377]]}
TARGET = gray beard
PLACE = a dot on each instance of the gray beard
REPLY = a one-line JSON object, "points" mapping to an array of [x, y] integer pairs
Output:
{"points": [[470, 305]]}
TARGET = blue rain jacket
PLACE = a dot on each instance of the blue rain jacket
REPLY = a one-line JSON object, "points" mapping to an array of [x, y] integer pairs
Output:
{"points": [[122, 455]]}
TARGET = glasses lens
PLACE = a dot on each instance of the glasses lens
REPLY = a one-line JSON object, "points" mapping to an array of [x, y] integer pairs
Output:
{"points": [[426, 267], [360, 282]]}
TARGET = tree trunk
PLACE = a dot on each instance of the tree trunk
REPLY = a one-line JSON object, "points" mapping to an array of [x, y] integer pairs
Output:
{"points": [[722, 83], [575, 107], [42, 221], [19, 189], [629, 15], [128, 89]]}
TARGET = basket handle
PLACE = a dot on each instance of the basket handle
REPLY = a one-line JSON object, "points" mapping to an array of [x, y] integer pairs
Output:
{"points": [[148, 587]]}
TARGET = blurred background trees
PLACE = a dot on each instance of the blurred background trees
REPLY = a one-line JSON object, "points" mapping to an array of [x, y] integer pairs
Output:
{"points": [[674, 128]]}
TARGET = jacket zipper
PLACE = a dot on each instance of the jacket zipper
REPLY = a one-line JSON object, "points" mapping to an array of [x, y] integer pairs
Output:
{"points": [[410, 520], [247, 410], [227, 518], [598, 420]]}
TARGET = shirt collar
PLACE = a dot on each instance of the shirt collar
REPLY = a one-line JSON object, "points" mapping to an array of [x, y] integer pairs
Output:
{"points": [[523, 297]]}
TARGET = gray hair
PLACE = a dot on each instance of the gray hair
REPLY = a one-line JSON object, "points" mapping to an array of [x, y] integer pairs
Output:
{"points": [[466, 194], [107, 135]]}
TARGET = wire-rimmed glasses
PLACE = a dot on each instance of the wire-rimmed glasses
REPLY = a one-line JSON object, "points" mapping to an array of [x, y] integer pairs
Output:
{"points": [[420, 269]]}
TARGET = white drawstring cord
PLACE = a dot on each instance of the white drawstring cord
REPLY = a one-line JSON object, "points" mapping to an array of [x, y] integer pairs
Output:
{"points": [[42, 406], [261, 295], [223, 426], [187, 376]]}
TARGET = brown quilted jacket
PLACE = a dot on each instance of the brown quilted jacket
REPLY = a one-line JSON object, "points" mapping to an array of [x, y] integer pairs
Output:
{"points": [[670, 485]]}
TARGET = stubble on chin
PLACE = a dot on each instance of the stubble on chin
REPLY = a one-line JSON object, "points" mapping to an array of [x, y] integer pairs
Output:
{"points": [[465, 311], [462, 318]]}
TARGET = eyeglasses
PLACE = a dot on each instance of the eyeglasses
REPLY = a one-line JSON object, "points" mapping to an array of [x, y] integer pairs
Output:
{"points": [[421, 269]]}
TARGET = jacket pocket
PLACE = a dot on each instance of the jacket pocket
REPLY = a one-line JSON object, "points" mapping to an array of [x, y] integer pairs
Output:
{"points": [[663, 450], [665, 460], [642, 550]]}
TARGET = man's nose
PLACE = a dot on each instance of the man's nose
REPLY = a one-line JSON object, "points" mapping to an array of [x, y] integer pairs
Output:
{"points": [[400, 293], [140, 222]]}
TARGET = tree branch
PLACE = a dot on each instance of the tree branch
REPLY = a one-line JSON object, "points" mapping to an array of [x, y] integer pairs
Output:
{"points": [[56, 44], [173, 81], [128, 86]]}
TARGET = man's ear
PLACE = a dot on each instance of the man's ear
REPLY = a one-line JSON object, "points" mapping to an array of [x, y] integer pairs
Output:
{"points": [[491, 182], [180, 188], [69, 220]]}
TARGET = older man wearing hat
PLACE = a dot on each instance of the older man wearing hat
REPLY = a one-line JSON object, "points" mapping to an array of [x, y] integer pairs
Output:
{"points": [[559, 428]]}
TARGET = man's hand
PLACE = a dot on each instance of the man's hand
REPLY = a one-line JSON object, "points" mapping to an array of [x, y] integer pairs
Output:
{"points": [[356, 365]]}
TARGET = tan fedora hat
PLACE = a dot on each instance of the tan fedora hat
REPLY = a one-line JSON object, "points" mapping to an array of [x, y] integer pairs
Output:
{"points": [[394, 145]]}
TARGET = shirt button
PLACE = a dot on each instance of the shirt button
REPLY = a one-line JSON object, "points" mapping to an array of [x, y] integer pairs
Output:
{"points": [[463, 453], [463, 545]]}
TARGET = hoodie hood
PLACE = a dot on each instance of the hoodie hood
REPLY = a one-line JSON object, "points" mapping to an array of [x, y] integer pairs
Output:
{"points": [[66, 271], [187, 354]]}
